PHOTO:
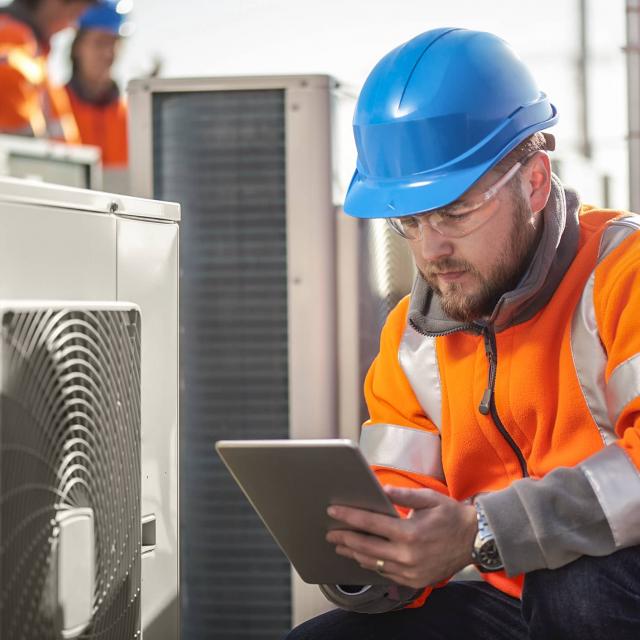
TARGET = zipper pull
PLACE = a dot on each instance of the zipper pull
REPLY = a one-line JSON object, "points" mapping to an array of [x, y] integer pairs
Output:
{"points": [[485, 403]]}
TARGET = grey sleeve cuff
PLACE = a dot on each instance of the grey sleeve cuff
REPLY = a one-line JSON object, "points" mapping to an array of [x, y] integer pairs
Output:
{"points": [[547, 523], [370, 598]]}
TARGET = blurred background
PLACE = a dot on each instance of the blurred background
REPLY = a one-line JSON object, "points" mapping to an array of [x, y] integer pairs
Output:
{"points": [[575, 48]]}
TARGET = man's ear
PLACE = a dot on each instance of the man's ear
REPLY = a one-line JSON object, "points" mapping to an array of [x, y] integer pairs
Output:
{"points": [[537, 183]]}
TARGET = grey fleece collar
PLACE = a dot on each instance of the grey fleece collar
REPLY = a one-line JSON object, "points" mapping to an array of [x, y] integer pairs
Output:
{"points": [[557, 248]]}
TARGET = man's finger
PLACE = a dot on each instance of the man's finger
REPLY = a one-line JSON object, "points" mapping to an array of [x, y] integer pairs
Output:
{"points": [[373, 523], [363, 543], [415, 498], [393, 571]]}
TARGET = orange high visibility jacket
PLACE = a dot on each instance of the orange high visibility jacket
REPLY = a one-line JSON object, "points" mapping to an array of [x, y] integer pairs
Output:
{"points": [[29, 104], [102, 124], [535, 412]]}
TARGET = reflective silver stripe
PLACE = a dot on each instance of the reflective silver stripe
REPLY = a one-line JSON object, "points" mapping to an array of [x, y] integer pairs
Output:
{"points": [[418, 359], [589, 357], [616, 482], [589, 360], [402, 448], [623, 386], [617, 231], [55, 128]]}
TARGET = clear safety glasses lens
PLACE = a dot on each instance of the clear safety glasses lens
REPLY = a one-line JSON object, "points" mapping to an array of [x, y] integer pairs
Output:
{"points": [[457, 219]]}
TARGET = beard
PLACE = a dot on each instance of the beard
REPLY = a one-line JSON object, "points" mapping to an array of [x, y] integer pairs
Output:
{"points": [[504, 275]]}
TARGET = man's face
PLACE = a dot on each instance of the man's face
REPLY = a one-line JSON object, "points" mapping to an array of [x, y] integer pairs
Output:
{"points": [[471, 273], [95, 54]]}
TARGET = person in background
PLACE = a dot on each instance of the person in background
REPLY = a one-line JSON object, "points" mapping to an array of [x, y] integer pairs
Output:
{"points": [[29, 104], [504, 402], [99, 108]]}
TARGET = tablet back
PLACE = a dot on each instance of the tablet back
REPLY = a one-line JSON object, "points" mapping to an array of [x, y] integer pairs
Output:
{"points": [[290, 484]]}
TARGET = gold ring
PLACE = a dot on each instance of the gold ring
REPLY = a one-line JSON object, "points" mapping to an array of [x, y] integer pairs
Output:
{"points": [[379, 566]]}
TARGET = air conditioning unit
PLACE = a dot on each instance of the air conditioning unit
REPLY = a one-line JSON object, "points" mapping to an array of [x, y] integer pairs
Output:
{"points": [[88, 414], [275, 339], [50, 161], [249, 160], [70, 534]]}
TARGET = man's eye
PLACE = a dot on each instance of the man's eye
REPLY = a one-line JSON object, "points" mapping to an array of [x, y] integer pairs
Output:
{"points": [[454, 217], [410, 222]]}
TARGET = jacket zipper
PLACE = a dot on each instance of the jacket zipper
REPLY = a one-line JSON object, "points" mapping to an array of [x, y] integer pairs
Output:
{"points": [[488, 403]]}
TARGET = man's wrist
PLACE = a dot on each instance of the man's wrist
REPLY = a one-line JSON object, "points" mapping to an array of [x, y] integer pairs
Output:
{"points": [[471, 529]]}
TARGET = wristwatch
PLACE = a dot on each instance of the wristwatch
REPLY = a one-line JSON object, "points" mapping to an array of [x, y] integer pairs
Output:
{"points": [[485, 554]]}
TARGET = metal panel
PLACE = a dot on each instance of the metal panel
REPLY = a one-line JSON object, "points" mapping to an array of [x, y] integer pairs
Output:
{"points": [[311, 255], [147, 267], [56, 254], [57, 197]]}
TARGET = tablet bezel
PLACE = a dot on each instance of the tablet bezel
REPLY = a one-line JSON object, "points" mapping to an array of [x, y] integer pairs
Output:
{"points": [[290, 484]]}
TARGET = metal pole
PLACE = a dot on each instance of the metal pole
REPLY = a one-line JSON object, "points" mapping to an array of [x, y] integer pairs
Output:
{"points": [[633, 100], [606, 190], [583, 79]]}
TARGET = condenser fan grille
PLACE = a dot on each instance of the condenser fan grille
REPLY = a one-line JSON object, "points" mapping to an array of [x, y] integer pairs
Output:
{"points": [[70, 462]]}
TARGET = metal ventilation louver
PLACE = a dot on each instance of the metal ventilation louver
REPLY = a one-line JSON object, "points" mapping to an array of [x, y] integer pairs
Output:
{"points": [[69, 472], [234, 354]]}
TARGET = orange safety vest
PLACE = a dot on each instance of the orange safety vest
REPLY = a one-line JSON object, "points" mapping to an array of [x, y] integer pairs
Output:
{"points": [[29, 104], [565, 390], [102, 125]]}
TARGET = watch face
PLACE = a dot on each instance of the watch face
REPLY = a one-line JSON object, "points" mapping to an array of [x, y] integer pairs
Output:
{"points": [[488, 557]]}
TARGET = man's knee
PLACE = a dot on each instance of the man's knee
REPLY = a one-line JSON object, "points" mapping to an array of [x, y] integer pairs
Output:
{"points": [[587, 598], [297, 634], [335, 624], [306, 631]]}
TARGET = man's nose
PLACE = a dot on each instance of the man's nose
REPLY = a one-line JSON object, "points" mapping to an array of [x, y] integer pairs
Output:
{"points": [[433, 245]]}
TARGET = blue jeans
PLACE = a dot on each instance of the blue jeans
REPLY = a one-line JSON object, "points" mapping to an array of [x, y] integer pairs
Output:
{"points": [[589, 599]]}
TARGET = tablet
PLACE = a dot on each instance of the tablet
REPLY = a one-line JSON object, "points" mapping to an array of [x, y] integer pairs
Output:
{"points": [[290, 484]]}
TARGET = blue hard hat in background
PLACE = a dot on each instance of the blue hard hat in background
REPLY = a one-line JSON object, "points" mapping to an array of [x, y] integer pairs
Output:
{"points": [[107, 15], [434, 115]]}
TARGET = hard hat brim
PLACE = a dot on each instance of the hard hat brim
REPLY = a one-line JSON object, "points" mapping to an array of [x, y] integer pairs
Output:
{"points": [[367, 198], [373, 197]]}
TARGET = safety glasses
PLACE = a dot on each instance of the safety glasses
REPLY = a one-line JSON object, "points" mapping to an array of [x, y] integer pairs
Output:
{"points": [[459, 218]]}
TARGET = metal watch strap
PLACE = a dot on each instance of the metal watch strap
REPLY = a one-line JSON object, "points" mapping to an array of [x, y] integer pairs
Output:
{"points": [[485, 552]]}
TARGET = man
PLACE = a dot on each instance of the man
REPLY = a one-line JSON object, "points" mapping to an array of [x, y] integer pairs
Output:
{"points": [[505, 399], [29, 105], [99, 109]]}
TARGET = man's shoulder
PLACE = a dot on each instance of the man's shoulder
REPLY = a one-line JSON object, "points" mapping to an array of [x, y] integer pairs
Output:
{"points": [[614, 240], [592, 214], [594, 220], [398, 315], [396, 322]]}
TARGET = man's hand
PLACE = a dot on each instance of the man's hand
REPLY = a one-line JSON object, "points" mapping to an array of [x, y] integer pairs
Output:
{"points": [[429, 546]]}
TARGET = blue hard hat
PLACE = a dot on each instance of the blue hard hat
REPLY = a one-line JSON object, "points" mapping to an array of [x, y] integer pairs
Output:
{"points": [[107, 15], [434, 115]]}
